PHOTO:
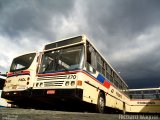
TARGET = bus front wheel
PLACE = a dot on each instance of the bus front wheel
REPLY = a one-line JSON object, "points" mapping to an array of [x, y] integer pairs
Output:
{"points": [[100, 103]]}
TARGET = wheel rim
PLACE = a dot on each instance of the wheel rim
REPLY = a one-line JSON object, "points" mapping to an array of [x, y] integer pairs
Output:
{"points": [[101, 103]]}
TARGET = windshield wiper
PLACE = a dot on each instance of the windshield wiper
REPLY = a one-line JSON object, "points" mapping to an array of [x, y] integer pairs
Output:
{"points": [[60, 62], [51, 63], [55, 62], [48, 66], [64, 65]]}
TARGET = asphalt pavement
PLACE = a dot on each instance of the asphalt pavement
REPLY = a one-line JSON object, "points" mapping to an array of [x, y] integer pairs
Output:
{"points": [[32, 114]]}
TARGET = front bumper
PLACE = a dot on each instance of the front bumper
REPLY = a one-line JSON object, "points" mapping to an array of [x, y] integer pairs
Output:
{"points": [[59, 94], [16, 95]]}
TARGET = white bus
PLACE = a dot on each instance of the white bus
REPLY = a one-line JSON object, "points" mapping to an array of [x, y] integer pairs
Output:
{"points": [[74, 69], [146, 100], [3, 102], [20, 78]]}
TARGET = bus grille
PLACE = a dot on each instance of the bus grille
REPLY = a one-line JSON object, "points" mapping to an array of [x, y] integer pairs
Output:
{"points": [[59, 77], [53, 83]]}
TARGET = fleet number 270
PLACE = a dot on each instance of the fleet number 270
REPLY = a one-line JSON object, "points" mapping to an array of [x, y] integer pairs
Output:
{"points": [[71, 76]]}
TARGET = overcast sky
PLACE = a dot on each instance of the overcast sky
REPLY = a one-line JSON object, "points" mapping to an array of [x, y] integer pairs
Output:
{"points": [[126, 32]]}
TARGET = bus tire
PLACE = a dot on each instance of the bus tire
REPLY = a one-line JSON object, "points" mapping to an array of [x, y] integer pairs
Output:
{"points": [[100, 103]]}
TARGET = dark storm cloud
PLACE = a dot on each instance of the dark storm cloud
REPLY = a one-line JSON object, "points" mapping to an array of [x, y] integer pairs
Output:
{"points": [[124, 17], [143, 71], [126, 32], [123, 20], [34, 17], [117, 26], [27, 25]]}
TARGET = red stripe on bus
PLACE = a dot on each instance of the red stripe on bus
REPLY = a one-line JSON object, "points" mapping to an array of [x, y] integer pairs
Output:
{"points": [[58, 73], [10, 74], [107, 84], [25, 72]]}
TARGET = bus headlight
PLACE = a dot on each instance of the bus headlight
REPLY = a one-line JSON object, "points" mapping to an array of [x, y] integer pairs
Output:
{"points": [[37, 84], [67, 83], [27, 83], [41, 84], [72, 83], [28, 78]]}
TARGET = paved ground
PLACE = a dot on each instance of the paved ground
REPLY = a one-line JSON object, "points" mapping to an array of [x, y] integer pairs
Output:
{"points": [[32, 114]]}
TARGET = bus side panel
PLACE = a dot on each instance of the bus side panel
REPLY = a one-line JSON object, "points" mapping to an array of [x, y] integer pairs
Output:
{"points": [[92, 87], [145, 109], [128, 108], [90, 93], [110, 101], [145, 106], [114, 99]]}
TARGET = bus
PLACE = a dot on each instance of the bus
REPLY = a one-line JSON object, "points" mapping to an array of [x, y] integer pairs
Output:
{"points": [[3, 102], [145, 100], [20, 78], [73, 69], [2, 80]]}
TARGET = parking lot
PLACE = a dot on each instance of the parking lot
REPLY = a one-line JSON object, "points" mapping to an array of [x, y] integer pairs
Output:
{"points": [[32, 114]]}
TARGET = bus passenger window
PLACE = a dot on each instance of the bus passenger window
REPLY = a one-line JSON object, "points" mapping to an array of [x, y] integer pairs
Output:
{"points": [[99, 63], [111, 78], [103, 68], [91, 56], [88, 55], [109, 70], [107, 75]]}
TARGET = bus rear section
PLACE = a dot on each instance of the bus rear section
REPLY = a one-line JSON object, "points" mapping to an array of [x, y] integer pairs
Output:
{"points": [[3, 102], [20, 78]]}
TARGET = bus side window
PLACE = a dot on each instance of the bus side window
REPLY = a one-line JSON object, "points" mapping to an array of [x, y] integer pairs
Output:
{"points": [[99, 63], [91, 58], [103, 67], [108, 76], [130, 96], [158, 94], [115, 80], [88, 55]]}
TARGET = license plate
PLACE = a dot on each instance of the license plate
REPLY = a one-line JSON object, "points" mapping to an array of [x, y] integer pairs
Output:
{"points": [[51, 91]]}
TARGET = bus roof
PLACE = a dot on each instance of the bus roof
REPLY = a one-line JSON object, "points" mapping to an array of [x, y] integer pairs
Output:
{"points": [[59, 43], [26, 54], [144, 89]]}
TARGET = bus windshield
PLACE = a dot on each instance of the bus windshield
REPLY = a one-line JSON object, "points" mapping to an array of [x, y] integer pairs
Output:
{"points": [[61, 60], [22, 62]]}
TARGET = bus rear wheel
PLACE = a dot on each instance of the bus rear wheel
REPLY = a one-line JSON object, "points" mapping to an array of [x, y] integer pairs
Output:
{"points": [[100, 103]]}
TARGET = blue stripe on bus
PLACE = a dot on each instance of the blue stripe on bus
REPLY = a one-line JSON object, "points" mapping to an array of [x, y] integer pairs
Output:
{"points": [[100, 78], [96, 77]]}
